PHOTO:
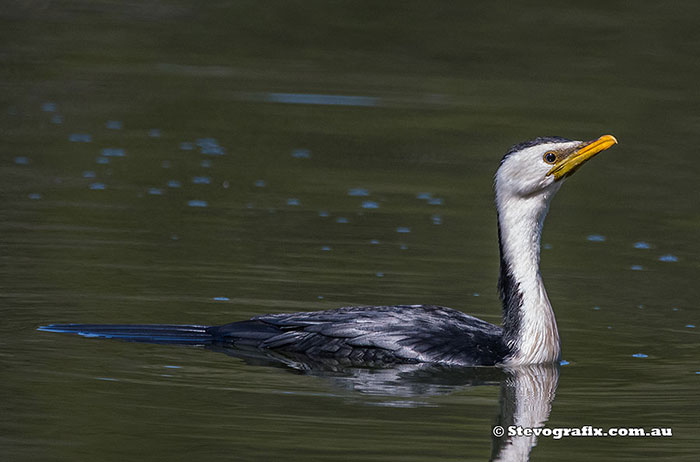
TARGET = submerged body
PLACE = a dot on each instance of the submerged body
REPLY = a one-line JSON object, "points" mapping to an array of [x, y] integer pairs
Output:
{"points": [[377, 336]]}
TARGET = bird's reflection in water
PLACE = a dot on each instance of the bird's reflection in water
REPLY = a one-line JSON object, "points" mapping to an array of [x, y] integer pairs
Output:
{"points": [[526, 395]]}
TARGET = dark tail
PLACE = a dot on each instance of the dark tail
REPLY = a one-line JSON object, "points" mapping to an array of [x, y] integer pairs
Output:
{"points": [[149, 333]]}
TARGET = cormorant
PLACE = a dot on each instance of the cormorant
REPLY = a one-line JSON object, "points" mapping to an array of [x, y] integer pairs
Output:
{"points": [[527, 179]]}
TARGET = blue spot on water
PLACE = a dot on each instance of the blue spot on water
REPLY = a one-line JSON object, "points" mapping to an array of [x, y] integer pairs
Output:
{"points": [[293, 201], [201, 180], [597, 308], [374, 241], [205, 163], [547, 246], [370, 205], [564, 362], [102, 160], [596, 238], [475, 294], [358, 192], [80, 137], [106, 379], [89, 174], [301, 154], [34, 196], [260, 183], [636, 267], [435, 201], [326, 248], [197, 203], [113, 152], [155, 191], [186, 146], [403, 247], [21, 160], [437, 219], [221, 299], [424, 195], [690, 326], [668, 258], [225, 184], [323, 213], [114, 124], [250, 205], [674, 308], [97, 186], [174, 184], [642, 245], [640, 355], [380, 274], [154, 133], [342, 220], [173, 367], [57, 119], [329, 100], [48, 107], [210, 146], [403, 229], [320, 297]]}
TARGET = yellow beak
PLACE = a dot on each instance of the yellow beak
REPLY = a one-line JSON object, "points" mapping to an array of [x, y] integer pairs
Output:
{"points": [[569, 164]]}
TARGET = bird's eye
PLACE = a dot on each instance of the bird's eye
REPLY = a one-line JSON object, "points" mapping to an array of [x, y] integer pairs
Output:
{"points": [[550, 157]]}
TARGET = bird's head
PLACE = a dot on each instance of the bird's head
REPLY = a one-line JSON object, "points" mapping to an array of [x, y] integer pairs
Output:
{"points": [[538, 167]]}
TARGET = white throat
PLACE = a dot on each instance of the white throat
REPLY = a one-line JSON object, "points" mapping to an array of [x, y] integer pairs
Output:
{"points": [[530, 328]]}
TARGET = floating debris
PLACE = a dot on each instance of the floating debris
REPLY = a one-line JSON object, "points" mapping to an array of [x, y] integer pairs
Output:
{"points": [[435, 201], [34, 196], [547, 247], [403, 229], [437, 219], [57, 119], [379, 274], [294, 202], [668, 258], [596, 238], [370, 205], [301, 154], [374, 242], [102, 160], [640, 355], [642, 245], [48, 107], [221, 299], [154, 133], [564, 362], [186, 146], [114, 124], [22, 160], [174, 184], [89, 174], [323, 213], [358, 192], [597, 308], [424, 195], [155, 191], [636, 267], [403, 247], [98, 186], [690, 326], [260, 183], [197, 203], [326, 248], [342, 220], [80, 137]]}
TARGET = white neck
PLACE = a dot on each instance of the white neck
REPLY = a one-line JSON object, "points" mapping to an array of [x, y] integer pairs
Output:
{"points": [[530, 329]]}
